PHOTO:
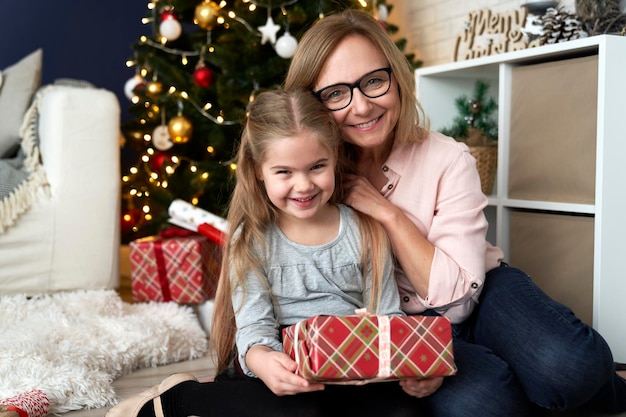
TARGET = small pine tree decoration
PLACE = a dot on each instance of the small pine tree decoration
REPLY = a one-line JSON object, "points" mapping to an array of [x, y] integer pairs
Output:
{"points": [[197, 68], [474, 124]]}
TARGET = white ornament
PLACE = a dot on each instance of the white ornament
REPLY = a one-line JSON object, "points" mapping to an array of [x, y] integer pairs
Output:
{"points": [[131, 84], [170, 29], [383, 12], [269, 31], [286, 46], [161, 138]]}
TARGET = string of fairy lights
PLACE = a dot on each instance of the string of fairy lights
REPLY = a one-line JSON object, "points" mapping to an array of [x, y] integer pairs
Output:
{"points": [[177, 129]]}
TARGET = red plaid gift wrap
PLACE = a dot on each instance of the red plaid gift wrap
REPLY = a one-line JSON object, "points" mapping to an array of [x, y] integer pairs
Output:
{"points": [[183, 268], [360, 349]]}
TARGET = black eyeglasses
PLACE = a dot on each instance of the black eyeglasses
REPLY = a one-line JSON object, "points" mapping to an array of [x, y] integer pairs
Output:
{"points": [[339, 96]]}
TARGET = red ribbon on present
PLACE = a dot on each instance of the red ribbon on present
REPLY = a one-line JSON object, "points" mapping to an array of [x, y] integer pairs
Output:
{"points": [[169, 233], [162, 271], [172, 232], [212, 233]]}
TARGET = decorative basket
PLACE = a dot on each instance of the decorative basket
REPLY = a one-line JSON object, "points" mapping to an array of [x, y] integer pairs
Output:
{"points": [[486, 162]]}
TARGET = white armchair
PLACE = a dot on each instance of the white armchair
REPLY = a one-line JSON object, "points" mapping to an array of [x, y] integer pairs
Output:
{"points": [[69, 238]]}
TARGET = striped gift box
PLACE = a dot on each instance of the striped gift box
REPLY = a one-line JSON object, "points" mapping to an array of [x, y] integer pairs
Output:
{"points": [[360, 349]]}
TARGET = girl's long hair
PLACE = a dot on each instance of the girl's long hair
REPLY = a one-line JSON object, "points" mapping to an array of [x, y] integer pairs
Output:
{"points": [[272, 115]]}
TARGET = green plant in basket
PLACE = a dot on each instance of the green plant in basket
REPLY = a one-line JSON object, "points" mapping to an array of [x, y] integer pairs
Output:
{"points": [[475, 124]]}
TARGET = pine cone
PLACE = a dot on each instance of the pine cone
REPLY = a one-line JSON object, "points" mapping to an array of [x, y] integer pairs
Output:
{"points": [[560, 26]]}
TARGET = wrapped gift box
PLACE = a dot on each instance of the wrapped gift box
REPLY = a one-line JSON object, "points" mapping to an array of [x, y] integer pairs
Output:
{"points": [[181, 267], [360, 349]]}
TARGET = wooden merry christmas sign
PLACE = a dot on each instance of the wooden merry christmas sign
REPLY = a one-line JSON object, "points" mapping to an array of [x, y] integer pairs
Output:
{"points": [[488, 33]]}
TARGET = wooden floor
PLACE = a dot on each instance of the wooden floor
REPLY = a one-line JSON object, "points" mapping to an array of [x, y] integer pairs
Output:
{"points": [[146, 378], [201, 368]]}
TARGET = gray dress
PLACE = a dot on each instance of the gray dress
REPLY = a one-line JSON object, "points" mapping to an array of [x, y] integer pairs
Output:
{"points": [[306, 281]]}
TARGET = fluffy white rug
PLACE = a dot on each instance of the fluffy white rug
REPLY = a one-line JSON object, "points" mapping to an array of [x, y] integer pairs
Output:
{"points": [[73, 345]]}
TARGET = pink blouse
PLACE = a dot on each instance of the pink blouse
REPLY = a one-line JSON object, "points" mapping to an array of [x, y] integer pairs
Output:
{"points": [[437, 186]]}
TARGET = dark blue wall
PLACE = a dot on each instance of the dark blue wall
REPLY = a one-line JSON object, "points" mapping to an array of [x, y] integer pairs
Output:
{"points": [[84, 39]]}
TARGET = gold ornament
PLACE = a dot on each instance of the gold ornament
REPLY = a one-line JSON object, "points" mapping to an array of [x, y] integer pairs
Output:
{"points": [[154, 89], [180, 129], [205, 14]]}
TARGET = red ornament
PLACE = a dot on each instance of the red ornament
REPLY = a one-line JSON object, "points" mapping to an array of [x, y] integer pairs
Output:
{"points": [[158, 159], [130, 218], [168, 14], [203, 76], [383, 24]]}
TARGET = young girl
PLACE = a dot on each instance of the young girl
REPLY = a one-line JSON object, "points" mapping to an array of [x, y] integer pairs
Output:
{"points": [[294, 252]]}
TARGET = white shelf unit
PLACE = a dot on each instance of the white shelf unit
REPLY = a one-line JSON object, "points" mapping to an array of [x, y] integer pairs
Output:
{"points": [[592, 281]]}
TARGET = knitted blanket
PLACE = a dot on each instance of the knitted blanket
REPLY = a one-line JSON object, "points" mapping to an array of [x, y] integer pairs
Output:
{"points": [[22, 175]]}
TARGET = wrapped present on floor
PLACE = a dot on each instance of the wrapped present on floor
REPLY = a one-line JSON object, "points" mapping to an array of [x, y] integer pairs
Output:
{"points": [[176, 265], [360, 349]]}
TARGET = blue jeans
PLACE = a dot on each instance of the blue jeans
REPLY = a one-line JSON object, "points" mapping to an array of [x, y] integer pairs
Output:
{"points": [[520, 352]]}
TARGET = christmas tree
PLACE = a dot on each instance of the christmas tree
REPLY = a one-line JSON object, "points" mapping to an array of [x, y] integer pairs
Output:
{"points": [[196, 71]]}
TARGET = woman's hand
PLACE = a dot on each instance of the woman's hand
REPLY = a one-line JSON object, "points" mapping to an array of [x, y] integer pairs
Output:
{"points": [[421, 388], [277, 371], [361, 195], [412, 250]]}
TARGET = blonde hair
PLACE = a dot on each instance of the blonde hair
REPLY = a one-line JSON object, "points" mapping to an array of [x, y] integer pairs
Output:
{"points": [[272, 115], [321, 39]]}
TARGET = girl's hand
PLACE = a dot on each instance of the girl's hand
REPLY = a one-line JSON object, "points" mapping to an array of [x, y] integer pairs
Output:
{"points": [[421, 388], [277, 371]]}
